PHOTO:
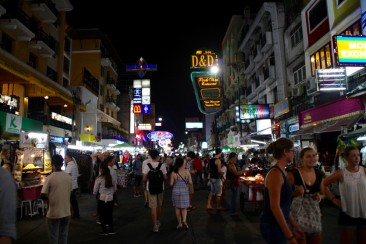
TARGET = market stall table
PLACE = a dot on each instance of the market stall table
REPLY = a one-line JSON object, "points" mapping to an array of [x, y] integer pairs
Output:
{"points": [[252, 191]]}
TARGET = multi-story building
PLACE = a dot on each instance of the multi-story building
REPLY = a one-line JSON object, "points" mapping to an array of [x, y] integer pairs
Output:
{"points": [[94, 74], [35, 64]]}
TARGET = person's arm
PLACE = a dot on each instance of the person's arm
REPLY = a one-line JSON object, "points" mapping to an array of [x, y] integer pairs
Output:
{"points": [[297, 190], [336, 176], [172, 178], [274, 182], [144, 180], [218, 163]]}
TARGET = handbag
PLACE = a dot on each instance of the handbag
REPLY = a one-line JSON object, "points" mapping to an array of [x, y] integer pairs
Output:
{"points": [[306, 212]]}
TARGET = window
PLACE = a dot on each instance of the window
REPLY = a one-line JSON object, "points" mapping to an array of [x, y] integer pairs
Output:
{"points": [[296, 36], [321, 59], [7, 42], [51, 74], [66, 65], [299, 72], [317, 14]]}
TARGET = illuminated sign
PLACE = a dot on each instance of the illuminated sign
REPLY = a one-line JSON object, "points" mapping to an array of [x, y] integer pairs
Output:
{"points": [[194, 125], [144, 126], [281, 108], [203, 59], [351, 50], [61, 118], [331, 79], [208, 91], [137, 108], [159, 135], [57, 139], [252, 111], [146, 109]]}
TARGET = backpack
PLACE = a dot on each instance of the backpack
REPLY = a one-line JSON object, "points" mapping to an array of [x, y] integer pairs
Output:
{"points": [[156, 179]]}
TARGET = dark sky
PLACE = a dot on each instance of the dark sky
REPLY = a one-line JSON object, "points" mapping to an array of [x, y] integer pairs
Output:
{"points": [[166, 35]]}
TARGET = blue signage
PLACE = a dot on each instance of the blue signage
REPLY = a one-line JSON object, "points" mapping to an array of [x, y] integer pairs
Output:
{"points": [[146, 108]]}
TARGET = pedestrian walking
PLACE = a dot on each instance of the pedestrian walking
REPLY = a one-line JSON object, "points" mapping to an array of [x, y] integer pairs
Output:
{"points": [[180, 178], [215, 180], [276, 224], [137, 170], [104, 188], [57, 190], [155, 199], [352, 202], [308, 186], [72, 169]]}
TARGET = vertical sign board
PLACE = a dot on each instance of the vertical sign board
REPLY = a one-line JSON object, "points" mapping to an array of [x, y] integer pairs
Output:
{"points": [[207, 85]]}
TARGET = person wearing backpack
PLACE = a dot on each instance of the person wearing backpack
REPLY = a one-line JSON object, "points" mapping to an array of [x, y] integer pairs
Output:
{"points": [[154, 175]]}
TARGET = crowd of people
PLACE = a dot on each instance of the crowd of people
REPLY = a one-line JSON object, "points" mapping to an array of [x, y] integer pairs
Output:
{"points": [[280, 219]]}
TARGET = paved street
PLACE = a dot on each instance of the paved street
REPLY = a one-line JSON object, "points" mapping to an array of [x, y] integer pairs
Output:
{"points": [[133, 224]]}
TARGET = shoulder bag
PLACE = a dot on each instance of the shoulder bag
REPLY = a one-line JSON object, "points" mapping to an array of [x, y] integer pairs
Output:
{"points": [[306, 212]]}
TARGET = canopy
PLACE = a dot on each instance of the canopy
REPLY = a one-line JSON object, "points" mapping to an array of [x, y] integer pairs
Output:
{"points": [[227, 149], [122, 145]]}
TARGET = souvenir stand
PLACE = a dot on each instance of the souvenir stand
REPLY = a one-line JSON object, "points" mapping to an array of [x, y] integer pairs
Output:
{"points": [[33, 162]]}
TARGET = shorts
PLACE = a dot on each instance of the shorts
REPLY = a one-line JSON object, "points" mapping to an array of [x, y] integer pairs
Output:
{"points": [[190, 189], [155, 200], [138, 180], [216, 187], [344, 220]]}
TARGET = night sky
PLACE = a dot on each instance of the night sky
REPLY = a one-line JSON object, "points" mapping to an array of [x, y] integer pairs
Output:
{"points": [[165, 35]]}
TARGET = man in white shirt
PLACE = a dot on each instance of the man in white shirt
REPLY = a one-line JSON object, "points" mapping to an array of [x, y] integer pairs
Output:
{"points": [[155, 200], [73, 170], [57, 190]]}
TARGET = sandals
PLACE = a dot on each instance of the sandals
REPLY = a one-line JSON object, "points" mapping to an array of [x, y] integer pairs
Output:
{"points": [[185, 226]]}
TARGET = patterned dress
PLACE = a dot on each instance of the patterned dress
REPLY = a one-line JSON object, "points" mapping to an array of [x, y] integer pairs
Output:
{"points": [[180, 195]]}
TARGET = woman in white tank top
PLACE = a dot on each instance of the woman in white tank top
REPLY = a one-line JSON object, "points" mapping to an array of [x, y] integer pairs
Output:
{"points": [[352, 202]]}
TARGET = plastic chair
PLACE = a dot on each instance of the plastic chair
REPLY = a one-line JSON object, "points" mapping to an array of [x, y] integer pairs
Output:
{"points": [[39, 203], [28, 194]]}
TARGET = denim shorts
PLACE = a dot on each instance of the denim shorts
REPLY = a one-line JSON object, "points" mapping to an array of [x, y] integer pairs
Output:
{"points": [[216, 187]]}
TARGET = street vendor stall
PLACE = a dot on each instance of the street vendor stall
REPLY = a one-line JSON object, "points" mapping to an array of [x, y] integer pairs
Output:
{"points": [[251, 191]]}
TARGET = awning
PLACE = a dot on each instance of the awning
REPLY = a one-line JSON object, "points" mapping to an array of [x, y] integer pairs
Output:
{"points": [[334, 124], [355, 133]]}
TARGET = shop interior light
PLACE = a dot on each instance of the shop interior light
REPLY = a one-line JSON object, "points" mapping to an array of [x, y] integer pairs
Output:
{"points": [[259, 142]]}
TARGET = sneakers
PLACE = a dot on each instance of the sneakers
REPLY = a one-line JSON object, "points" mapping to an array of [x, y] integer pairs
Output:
{"points": [[103, 233], [98, 222], [158, 223], [112, 233], [146, 204], [156, 228]]}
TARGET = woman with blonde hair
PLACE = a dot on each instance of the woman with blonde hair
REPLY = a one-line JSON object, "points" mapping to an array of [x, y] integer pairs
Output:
{"points": [[352, 202], [276, 224], [307, 182]]}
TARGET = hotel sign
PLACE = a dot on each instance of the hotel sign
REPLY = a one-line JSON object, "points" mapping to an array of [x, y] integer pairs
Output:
{"points": [[351, 50], [204, 59]]}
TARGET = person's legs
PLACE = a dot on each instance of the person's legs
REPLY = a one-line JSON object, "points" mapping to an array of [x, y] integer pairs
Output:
{"points": [[53, 230], [234, 195], [74, 204], [179, 216], [109, 216], [103, 216], [64, 230]]}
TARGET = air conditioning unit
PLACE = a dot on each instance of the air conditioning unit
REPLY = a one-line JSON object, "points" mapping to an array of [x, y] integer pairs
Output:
{"points": [[311, 86], [298, 91]]}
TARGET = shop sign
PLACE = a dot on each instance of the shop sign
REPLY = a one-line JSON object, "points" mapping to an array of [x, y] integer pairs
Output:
{"points": [[13, 123], [281, 108], [61, 118], [33, 140], [253, 111], [331, 79], [203, 59], [351, 50], [208, 91], [57, 139]]}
